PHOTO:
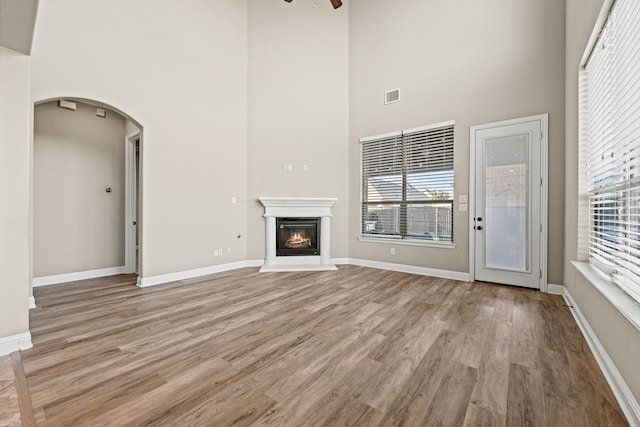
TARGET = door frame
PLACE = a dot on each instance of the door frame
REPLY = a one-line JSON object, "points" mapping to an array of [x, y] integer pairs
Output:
{"points": [[544, 189], [130, 202]]}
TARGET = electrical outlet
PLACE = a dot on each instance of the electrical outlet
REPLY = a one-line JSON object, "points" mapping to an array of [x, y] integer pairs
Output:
{"points": [[234, 200], [228, 251], [393, 251], [215, 252]]}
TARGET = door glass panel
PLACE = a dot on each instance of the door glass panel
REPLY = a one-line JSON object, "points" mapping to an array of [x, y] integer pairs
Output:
{"points": [[507, 203]]}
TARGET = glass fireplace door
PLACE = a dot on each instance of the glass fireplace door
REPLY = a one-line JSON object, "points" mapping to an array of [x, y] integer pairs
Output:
{"points": [[297, 236]]}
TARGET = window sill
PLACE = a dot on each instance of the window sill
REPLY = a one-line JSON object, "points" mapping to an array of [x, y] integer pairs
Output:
{"points": [[616, 296], [407, 242]]}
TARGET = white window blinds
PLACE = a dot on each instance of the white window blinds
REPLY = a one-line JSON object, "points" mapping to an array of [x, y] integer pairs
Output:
{"points": [[613, 99], [407, 184]]}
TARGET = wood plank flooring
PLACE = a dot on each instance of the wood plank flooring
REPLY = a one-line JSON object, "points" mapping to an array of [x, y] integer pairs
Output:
{"points": [[9, 401], [354, 347], [15, 401]]}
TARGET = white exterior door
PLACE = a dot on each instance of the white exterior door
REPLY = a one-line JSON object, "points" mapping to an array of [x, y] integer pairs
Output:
{"points": [[508, 221]]}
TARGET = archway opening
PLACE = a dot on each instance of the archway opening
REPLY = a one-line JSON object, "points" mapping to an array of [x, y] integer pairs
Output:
{"points": [[86, 191]]}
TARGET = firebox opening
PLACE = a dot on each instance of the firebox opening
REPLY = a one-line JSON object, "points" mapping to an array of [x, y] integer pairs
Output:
{"points": [[297, 236]]}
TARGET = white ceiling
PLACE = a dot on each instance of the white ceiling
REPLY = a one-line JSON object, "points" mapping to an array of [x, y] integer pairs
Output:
{"points": [[17, 22]]}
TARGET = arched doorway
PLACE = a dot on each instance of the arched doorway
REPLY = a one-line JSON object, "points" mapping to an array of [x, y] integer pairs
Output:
{"points": [[86, 191]]}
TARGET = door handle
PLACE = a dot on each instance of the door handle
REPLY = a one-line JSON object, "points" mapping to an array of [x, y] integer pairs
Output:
{"points": [[479, 227]]}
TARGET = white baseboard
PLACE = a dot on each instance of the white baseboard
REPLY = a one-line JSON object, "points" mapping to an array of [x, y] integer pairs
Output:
{"points": [[32, 303], [145, 282], [554, 289], [627, 401], [424, 271], [15, 343], [254, 263], [80, 275]]}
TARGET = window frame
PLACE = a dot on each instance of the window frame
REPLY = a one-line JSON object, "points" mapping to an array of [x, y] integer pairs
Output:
{"points": [[607, 232], [403, 237]]}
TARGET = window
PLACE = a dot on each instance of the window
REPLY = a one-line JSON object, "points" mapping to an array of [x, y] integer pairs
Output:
{"points": [[407, 184], [613, 143]]}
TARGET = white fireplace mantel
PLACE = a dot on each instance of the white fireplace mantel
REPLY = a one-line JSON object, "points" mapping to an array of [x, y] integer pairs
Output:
{"points": [[297, 207]]}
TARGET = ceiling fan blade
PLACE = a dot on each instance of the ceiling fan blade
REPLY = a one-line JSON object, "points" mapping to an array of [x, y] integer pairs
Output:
{"points": [[335, 3]]}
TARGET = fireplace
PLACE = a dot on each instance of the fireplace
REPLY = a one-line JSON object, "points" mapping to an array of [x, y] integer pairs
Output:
{"points": [[297, 236], [299, 226]]}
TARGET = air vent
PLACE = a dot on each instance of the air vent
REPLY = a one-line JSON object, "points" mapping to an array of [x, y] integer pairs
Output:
{"points": [[67, 105], [392, 96]]}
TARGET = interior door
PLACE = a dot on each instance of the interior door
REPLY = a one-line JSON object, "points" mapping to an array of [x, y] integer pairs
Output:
{"points": [[507, 222], [132, 203]]}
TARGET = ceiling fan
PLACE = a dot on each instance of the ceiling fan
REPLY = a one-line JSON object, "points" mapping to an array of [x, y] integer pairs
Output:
{"points": [[335, 3]]}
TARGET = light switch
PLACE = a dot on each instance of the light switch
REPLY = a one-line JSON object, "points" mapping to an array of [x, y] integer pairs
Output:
{"points": [[234, 200], [463, 207], [463, 199]]}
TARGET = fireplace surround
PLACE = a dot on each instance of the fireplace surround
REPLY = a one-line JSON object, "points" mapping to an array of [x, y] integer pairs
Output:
{"points": [[302, 217]]}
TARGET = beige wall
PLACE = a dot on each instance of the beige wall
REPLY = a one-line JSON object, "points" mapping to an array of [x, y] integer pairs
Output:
{"points": [[179, 69], [298, 111], [464, 60], [298, 98], [77, 225], [619, 337], [15, 118], [17, 21]]}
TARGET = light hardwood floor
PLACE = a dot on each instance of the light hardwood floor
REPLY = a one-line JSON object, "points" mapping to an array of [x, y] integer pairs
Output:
{"points": [[15, 402], [357, 346], [9, 406]]}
